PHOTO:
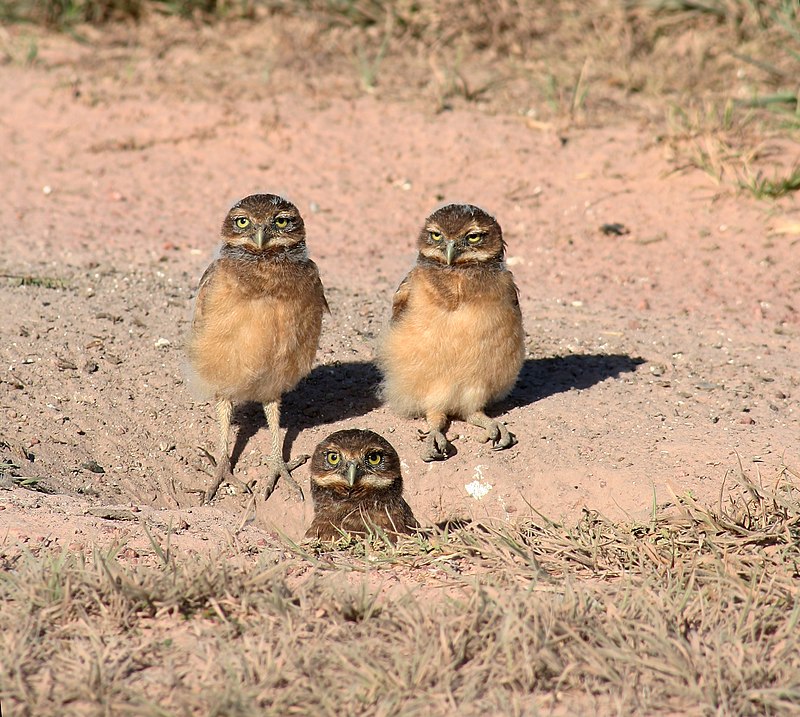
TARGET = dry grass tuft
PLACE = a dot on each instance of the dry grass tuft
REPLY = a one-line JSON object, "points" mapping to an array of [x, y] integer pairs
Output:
{"points": [[694, 612]]}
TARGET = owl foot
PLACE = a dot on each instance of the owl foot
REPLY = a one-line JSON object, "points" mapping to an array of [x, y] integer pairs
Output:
{"points": [[437, 447], [496, 431], [505, 440], [224, 474], [280, 469]]}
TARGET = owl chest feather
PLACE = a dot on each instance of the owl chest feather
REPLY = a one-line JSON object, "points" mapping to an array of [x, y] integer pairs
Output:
{"points": [[463, 312], [458, 343], [359, 512], [256, 330]]}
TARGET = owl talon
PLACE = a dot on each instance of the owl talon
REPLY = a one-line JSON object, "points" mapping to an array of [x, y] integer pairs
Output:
{"points": [[437, 447], [282, 470], [496, 431], [503, 438], [492, 434], [224, 474]]}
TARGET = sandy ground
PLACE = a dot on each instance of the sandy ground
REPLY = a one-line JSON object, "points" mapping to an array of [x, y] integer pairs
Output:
{"points": [[658, 357]]}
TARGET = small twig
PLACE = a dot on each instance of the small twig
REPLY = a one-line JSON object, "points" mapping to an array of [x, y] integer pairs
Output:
{"points": [[246, 513]]}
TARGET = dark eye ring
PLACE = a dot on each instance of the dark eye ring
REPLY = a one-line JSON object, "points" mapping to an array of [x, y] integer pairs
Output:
{"points": [[474, 238], [374, 458], [436, 236], [281, 222], [242, 222]]}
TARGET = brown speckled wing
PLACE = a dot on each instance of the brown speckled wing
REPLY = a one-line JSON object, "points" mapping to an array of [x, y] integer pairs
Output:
{"points": [[400, 300], [202, 290], [319, 288]]}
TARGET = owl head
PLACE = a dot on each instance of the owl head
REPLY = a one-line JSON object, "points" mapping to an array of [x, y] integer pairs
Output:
{"points": [[263, 221], [461, 234], [354, 462]]}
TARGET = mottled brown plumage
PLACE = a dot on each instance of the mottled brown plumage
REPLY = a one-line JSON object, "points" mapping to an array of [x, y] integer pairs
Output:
{"points": [[257, 321], [357, 486], [455, 343]]}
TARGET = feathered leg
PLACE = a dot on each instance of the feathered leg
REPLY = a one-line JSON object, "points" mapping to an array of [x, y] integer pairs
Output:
{"points": [[278, 467]]}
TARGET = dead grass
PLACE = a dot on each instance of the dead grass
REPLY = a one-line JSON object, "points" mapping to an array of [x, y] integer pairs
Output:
{"points": [[695, 612]]}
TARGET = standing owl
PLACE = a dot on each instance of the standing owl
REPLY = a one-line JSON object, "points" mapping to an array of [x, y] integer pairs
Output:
{"points": [[257, 322], [455, 343], [357, 486]]}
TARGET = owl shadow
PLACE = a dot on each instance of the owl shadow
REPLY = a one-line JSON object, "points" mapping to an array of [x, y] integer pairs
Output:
{"points": [[330, 393], [545, 377], [333, 392]]}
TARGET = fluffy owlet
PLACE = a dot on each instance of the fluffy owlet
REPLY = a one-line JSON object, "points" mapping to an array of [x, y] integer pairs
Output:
{"points": [[357, 487], [257, 321], [455, 343]]}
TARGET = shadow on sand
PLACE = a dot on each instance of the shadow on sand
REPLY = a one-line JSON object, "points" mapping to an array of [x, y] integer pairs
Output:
{"points": [[545, 377], [346, 389], [343, 389]]}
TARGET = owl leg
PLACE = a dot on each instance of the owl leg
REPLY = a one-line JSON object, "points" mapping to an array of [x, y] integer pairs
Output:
{"points": [[224, 474], [496, 431], [437, 447], [278, 467]]}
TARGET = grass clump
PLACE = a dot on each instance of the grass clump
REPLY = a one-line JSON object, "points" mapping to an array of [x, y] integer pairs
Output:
{"points": [[693, 612], [775, 187]]}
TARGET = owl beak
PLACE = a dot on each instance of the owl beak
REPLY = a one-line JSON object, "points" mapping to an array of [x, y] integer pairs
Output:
{"points": [[352, 473], [260, 237], [450, 252]]}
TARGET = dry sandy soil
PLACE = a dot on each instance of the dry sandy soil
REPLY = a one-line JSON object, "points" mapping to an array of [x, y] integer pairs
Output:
{"points": [[658, 358]]}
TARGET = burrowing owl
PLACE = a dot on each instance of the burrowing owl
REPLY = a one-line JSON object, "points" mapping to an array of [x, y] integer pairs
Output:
{"points": [[257, 322], [357, 486], [455, 343]]}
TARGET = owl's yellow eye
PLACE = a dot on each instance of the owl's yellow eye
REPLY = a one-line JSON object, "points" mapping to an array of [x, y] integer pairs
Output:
{"points": [[374, 458], [332, 458], [242, 222], [474, 238], [436, 236], [281, 222]]}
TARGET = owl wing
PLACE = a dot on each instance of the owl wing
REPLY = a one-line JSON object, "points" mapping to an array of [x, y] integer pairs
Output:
{"points": [[400, 518], [400, 300], [410, 522], [514, 294], [202, 290], [320, 289]]}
